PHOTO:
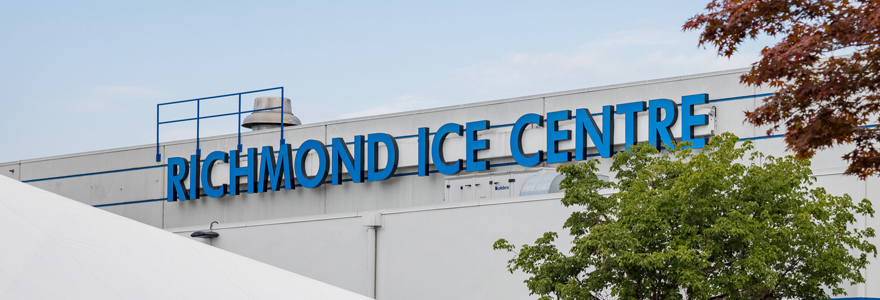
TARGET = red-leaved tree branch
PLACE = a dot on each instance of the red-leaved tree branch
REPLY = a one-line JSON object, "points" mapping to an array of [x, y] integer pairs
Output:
{"points": [[821, 100]]}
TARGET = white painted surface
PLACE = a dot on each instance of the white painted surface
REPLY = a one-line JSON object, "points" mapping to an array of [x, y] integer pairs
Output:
{"points": [[427, 247], [57, 248]]}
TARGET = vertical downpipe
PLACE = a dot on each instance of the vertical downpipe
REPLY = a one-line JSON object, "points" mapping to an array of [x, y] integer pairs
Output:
{"points": [[372, 236], [373, 221]]}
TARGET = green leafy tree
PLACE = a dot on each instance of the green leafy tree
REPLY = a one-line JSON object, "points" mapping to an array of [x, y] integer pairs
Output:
{"points": [[710, 224]]}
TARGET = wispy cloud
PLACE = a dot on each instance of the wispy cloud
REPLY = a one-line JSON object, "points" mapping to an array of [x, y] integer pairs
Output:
{"points": [[618, 58], [615, 58], [125, 92], [109, 99], [403, 103]]}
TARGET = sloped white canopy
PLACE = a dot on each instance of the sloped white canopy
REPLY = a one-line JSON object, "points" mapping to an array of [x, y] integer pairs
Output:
{"points": [[52, 247]]}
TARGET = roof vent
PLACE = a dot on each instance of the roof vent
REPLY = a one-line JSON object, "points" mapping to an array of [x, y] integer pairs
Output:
{"points": [[269, 119], [547, 184]]}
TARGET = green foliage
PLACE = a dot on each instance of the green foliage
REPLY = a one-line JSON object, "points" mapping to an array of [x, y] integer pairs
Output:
{"points": [[699, 225]]}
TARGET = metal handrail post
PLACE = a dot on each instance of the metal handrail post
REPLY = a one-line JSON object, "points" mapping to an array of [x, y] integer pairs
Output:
{"points": [[158, 156], [239, 123], [198, 118], [282, 117]]}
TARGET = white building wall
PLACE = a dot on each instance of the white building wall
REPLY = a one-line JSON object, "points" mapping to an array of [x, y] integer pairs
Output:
{"points": [[427, 247]]}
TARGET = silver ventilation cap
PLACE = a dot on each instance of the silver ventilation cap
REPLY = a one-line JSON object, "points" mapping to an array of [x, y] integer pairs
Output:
{"points": [[269, 119]]}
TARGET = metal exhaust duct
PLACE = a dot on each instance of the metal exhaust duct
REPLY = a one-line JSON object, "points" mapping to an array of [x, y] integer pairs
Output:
{"points": [[270, 119]]}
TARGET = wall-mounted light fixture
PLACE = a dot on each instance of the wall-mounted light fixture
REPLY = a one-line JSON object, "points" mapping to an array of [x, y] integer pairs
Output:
{"points": [[210, 234]]}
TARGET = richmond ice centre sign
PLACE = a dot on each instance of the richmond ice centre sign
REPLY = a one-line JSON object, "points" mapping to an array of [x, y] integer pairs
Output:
{"points": [[266, 171]]}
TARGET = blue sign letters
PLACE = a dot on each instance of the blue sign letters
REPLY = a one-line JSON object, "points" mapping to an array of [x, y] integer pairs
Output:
{"points": [[265, 171]]}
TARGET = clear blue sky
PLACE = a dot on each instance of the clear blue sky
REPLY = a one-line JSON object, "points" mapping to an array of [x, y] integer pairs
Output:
{"points": [[86, 75]]}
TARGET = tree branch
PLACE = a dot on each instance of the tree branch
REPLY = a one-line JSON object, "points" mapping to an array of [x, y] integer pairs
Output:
{"points": [[769, 294], [719, 297]]}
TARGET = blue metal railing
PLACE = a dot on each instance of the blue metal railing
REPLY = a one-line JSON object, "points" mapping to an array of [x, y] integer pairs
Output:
{"points": [[199, 116]]}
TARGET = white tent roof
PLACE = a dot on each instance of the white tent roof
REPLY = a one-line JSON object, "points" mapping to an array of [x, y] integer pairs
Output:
{"points": [[52, 247]]}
